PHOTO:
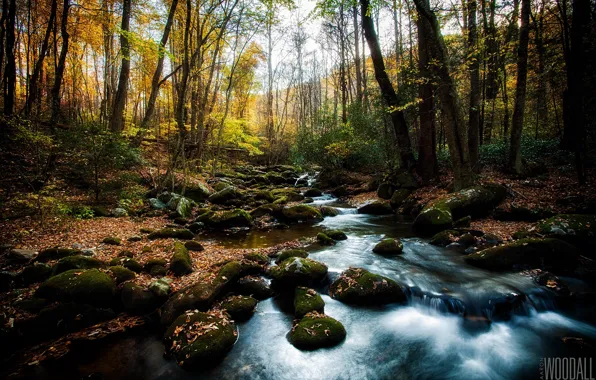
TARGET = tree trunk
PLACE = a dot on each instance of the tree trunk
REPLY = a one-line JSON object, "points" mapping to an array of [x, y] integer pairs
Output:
{"points": [[517, 123], [357, 57], [455, 129], [387, 91], [10, 70], [117, 119], [55, 92], [474, 65]]}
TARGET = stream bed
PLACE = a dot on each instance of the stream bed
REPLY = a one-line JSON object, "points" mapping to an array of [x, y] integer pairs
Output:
{"points": [[460, 322]]}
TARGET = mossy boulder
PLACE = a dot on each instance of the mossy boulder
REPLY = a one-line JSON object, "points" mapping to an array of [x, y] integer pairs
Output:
{"points": [[181, 263], [202, 294], [299, 271], [291, 195], [552, 254], [359, 286], [171, 233], [444, 238], [398, 197], [226, 219], [257, 258], [56, 253], [112, 240], [37, 272], [150, 263], [81, 286], [122, 274], [287, 253], [126, 253], [576, 229], [376, 208], [324, 239], [146, 230], [127, 263], [161, 287], [267, 209], [228, 196], [315, 331], [137, 300], [256, 287], [193, 245], [336, 235], [197, 192], [475, 201], [281, 200], [76, 262], [329, 211], [263, 195], [307, 300], [198, 340], [302, 213], [156, 204], [385, 190], [240, 308], [314, 192], [389, 247]]}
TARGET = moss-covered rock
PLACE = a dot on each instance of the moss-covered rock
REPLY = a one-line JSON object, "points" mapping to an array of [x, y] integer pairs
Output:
{"points": [[138, 300], [267, 209], [76, 262], [385, 190], [146, 230], [257, 258], [228, 196], [302, 213], [299, 271], [197, 192], [37, 272], [82, 286], [171, 233], [158, 270], [122, 274], [287, 253], [126, 253], [281, 200], [444, 238], [398, 197], [359, 286], [314, 192], [329, 211], [202, 294], [307, 300], [336, 235], [193, 245], [576, 229], [56, 253], [324, 239], [135, 238], [553, 254], [376, 208], [181, 263], [226, 219], [315, 331], [127, 263], [150, 263], [291, 195], [475, 201], [112, 240], [198, 340], [161, 287], [256, 287], [240, 308], [263, 195], [389, 247]]}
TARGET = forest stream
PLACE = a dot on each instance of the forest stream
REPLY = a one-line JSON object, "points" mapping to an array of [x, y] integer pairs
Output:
{"points": [[459, 322]]}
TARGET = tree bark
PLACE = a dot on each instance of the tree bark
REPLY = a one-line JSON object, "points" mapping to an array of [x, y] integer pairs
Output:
{"points": [[474, 67], [517, 123], [55, 92], [117, 119], [387, 91], [10, 70], [357, 57]]}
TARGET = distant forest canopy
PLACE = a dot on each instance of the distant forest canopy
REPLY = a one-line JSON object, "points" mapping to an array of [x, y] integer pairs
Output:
{"points": [[509, 75]]}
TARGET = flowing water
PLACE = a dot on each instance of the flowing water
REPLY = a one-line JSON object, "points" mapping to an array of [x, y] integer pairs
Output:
{"points": [[460, 322]]}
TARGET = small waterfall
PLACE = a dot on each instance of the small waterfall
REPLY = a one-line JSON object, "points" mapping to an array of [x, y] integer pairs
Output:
{"points": [[312, 179], [346, 211], [303, 176]]}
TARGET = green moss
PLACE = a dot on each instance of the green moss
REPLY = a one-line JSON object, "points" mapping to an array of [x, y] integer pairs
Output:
{"points": [[56, 253], [290, 195], [112, 240], [254, 286], [146, 230], [121, 274], [202, 340], [576, 229], [444, 238], [307, 300], [281, 200], [138, 300], [76, 262], [398, 197], [181, 263], [268, 209], [299, 271], [316, 331], [257, 258], [127, 263], [240, 308], [323, 239], [359, 286], [150, 263], [227, 196], [83, 286], [35, 273], [286, 254], [193, 245], [336, 235], [126, 253], [174, 233], [389, 247], [227, 219], [329, 211], [302, 213], [376, 208]]}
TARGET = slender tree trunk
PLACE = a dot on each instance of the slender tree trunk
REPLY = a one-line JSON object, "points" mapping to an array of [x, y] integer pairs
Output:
{"points": [[357, 57], [474, 66], [10, 70], [515, 162], [55, 92], [387, 91], [117, 119]]}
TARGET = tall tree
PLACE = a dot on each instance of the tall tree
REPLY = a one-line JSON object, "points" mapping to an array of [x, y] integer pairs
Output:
{"points": [[387, 91], [61, 66], [517, 123], [117, 119], [10, 70], [474, 67]]}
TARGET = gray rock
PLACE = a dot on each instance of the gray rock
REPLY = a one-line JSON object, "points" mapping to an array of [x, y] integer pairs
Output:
{"points": [[156, 204], [16, 255], [119, 212]]}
